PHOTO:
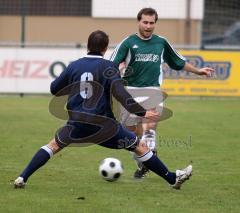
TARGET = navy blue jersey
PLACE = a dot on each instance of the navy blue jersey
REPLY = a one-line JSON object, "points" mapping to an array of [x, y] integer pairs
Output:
{"points": [[89, 83]]}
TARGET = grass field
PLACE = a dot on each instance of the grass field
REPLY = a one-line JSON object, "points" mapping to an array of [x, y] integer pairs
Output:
{"points": [[204, 132]]}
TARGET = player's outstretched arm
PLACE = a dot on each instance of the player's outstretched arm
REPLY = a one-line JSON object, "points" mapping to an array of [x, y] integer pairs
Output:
{"points": [[207, 71]]}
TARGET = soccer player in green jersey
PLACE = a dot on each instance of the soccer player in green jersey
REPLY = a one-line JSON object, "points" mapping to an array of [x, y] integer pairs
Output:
{"points": [[143, 54]]}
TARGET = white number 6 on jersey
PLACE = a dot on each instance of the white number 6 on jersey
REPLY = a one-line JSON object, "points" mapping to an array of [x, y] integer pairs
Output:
{"points": [[86, 90]]}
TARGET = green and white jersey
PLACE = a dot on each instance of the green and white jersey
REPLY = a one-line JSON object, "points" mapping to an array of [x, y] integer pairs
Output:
{"points": [[144, 59]]}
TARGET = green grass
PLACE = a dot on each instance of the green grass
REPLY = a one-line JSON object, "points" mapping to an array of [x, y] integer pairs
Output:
{"points": [[204, 132]]}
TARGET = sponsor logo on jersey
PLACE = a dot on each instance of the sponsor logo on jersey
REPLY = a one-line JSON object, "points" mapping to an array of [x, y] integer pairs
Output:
{"points": [[146, 57], [135, 46]]}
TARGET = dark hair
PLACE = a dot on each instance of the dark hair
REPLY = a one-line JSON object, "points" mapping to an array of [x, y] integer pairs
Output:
{"points": [[147, 11], [97, 41]]}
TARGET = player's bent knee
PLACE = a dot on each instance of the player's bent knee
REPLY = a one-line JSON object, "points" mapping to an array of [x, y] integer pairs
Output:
{"points": [[141, 149], [133, 129], [54, 146]]}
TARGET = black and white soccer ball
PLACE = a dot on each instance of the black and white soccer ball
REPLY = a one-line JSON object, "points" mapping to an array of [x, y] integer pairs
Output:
{"points": [[111, 169]]}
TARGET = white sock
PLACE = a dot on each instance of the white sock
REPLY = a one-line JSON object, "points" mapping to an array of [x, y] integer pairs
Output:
{"points": [[146, 156], [48, 150], [150, 141]]}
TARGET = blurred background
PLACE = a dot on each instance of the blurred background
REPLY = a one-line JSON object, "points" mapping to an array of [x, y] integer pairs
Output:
{"points": [[62, 28]]}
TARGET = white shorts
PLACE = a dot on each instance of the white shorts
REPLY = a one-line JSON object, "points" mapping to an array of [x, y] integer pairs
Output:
{"points": [[148, 98]]}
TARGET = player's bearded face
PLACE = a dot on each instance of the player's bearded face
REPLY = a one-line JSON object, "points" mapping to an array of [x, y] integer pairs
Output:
{"points": [[146, 26]]}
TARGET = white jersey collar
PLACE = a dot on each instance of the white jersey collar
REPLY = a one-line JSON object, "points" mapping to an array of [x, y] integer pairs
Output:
{"points": [[93, 56]]}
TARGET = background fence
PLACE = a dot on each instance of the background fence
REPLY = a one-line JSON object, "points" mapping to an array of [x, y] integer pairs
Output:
{"points": [[221, 23], [218, 19]]}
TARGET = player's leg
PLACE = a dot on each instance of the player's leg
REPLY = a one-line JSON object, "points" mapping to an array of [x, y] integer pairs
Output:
{"points": [[134, 124], [129, 141], [143, 154], [38, 160], [149, 137], [141, 170], [149, 128], [152, 162], [61, 140]]}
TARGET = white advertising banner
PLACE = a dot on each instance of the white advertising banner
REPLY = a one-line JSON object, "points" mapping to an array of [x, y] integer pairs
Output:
{"points": [[30, 70], [167, 9]]}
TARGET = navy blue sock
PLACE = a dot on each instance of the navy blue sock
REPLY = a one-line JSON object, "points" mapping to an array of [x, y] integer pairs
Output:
{"points": [[38, 160], [157, 166]]}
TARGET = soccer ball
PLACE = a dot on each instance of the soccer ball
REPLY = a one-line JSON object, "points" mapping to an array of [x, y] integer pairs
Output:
{"points": [[110, 169]]}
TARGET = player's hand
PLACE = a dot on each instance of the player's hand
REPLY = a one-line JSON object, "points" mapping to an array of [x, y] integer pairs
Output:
{"points": [[207, 71], [152, 114], [122, 68]]}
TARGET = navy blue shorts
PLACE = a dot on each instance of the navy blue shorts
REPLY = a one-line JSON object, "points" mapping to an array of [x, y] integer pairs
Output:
{"points": [[113, 136]]}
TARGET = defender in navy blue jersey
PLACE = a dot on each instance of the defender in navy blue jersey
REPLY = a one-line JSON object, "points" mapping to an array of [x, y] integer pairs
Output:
{"points": [[89, 83]]}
